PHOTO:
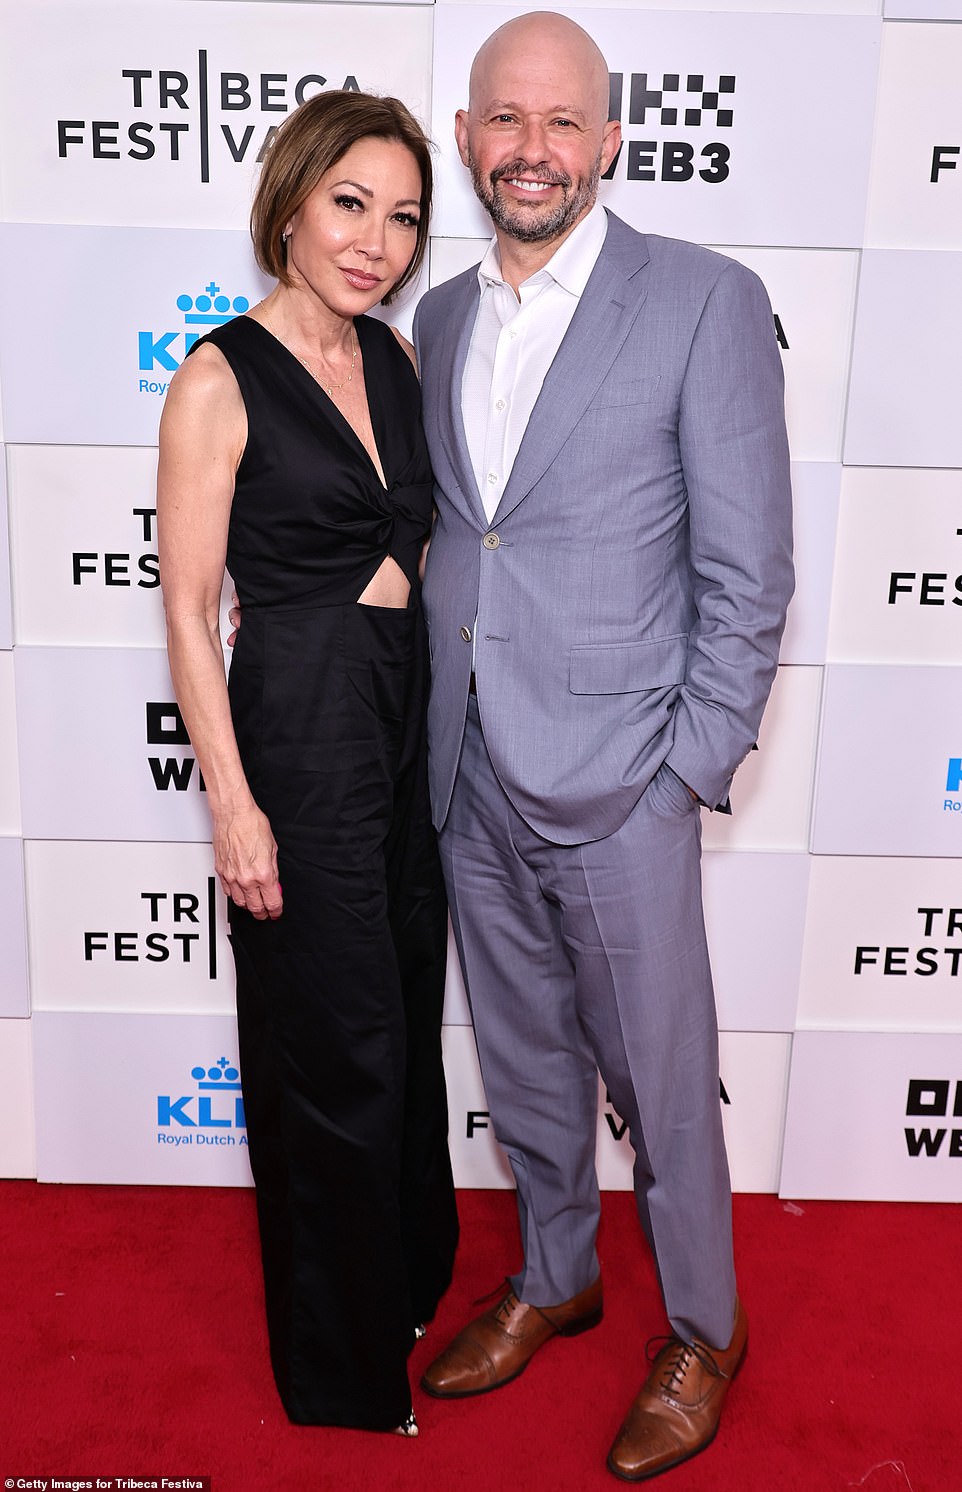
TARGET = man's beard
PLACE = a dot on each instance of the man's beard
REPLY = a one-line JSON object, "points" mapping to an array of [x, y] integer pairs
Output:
{"points": [[516, 218]]}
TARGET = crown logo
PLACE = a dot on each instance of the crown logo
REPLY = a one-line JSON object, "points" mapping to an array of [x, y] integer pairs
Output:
{"points": [[222, 1077], [211, 307]]}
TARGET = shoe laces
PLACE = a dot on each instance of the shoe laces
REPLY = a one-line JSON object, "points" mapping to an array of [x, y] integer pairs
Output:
{"points": [[503, 1289], [679, 1356]]}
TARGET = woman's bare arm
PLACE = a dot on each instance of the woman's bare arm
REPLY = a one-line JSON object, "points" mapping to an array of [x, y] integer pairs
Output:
{"points": [[202, 437]]}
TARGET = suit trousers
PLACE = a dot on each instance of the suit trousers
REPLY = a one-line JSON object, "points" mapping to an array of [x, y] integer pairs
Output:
{"points": [[585, 958]]}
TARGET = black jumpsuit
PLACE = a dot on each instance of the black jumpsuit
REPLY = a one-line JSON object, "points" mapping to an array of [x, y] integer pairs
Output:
{"points": [[339, 1000]]}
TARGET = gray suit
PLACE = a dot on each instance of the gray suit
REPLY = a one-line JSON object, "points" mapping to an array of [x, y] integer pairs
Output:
{"points": [[624, 611]]}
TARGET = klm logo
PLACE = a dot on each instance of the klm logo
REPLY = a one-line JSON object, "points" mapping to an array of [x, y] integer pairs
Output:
{"points": [[167, 350], [208, 1117]]}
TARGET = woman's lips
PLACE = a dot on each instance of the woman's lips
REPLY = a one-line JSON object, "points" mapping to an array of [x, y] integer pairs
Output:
{"points": [[360, 279]]}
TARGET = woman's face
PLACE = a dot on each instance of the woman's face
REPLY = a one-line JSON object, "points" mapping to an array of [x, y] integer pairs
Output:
{"points": [[354, 236]]}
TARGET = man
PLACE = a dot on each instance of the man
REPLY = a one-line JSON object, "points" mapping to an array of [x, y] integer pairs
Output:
{"points": [[605, 590]]}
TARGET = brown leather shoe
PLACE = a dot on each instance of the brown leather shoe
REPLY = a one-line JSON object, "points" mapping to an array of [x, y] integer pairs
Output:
{"points": [[677, 1411], [498, 1345]]}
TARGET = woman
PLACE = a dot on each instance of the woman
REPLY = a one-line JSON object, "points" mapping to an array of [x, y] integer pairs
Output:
{"points": [[291, 448]]}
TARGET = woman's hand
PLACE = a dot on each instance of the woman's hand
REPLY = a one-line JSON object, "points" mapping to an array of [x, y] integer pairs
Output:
{"points": [[234, 617], [245, 858]]}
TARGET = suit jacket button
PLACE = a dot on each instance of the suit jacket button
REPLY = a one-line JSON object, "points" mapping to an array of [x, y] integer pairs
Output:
{"points": [[466, 633], [490, 541]]}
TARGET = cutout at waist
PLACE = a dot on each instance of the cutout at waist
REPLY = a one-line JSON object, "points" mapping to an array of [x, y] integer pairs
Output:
{"points": [[388, 586]]}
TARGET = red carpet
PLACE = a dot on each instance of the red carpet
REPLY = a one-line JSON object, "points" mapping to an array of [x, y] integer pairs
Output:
{"points": [[134, 1347]]}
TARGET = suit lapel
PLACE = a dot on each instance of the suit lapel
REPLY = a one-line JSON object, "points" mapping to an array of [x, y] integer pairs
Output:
{"points": [[613, 297], [450, 357]]}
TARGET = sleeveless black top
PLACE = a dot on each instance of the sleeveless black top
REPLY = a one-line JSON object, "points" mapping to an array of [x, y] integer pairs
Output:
{"points": [[311, 521]]}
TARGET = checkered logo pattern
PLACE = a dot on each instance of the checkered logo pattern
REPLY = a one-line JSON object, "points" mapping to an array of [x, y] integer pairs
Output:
{"points": [[670, 104]]}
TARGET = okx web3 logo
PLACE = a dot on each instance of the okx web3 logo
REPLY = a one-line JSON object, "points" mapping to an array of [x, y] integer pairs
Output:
{"points": [[660, 105], [166, 728], [212, 1114], [161, 353], [934, 1099]]}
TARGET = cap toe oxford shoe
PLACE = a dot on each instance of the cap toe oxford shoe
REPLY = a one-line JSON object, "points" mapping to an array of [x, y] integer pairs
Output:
{"points": [[498, 1345], [676, 1414]]}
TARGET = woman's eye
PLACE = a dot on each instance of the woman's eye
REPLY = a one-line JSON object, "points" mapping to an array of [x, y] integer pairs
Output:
{"points": [[351, 203], [406, 219]]}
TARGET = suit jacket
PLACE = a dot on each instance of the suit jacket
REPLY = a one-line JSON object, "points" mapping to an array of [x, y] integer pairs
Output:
{"points": [[626, 603]]}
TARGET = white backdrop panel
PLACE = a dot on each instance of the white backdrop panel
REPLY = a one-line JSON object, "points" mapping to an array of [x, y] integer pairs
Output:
{"points": [[179, 137], [883, 945], [9, 775], [755, 917], [890, 762], [84, 530], [18, 1151], [6, 618], [754, 1075], [906, 361], [137, 927], [790, 164], [449, 256], [918, 137], [131, 1099], [103, 753], [772, 792], [83, 523], [864, 1111], [133, 300], [813, 296], [897, 593], [476, 1157], [924, 10], [14, 991], [815, 489]]}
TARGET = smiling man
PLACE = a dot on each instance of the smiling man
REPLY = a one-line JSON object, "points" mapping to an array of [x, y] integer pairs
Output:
{"points": [[606, 590]]}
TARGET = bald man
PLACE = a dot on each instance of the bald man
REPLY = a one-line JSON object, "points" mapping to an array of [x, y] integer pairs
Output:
{"points": [[605, 591]]}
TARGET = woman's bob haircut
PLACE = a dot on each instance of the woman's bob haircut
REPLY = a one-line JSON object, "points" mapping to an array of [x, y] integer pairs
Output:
{"points": [[307, 145]]}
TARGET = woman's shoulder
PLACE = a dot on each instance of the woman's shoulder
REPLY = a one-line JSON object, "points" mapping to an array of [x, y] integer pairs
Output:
{"points": [[406, 347], [395, 352], [204, 386]]}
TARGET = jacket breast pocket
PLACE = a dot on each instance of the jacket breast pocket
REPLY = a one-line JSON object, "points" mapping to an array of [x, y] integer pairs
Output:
{"points": [[628, 667], [622, 393]]}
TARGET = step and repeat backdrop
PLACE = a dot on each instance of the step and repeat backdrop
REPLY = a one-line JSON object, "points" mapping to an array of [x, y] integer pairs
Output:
{"points": [[817, 141]]}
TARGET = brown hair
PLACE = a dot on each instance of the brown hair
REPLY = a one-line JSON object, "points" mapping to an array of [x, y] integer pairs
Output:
{"points": [[313, 139]]}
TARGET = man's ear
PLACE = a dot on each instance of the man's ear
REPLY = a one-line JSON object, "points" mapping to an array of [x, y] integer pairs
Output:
{"points": [[461, 134], [610, 143]]}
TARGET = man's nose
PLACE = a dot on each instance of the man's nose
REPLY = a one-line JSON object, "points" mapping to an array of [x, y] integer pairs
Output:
{"points": [[533, 143]]}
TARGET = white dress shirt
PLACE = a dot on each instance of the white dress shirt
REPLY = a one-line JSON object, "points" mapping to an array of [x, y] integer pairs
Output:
{"points": [[514, 344]]}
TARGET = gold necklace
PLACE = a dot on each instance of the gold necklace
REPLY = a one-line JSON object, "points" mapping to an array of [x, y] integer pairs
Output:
{"points": [[329, 388]]}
